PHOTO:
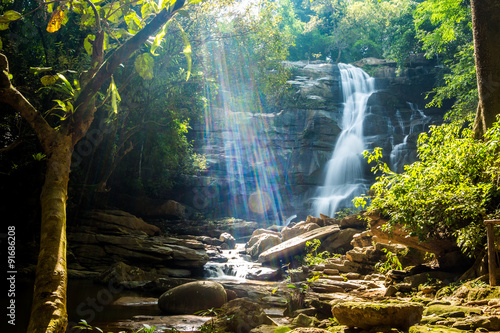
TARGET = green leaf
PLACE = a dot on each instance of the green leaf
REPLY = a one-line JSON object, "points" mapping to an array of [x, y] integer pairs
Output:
{"points": [[144, 65], [12, 15], [115, 96], [159, 38], [4, 26], [38, 70], [183, 12], [66, 86], [88, 45], [49, 80]]}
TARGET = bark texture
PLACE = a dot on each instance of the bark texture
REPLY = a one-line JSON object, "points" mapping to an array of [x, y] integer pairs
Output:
{"points": [[486, 30], [49, 313]]}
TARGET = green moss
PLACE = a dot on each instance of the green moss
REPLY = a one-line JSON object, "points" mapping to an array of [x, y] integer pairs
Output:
{"points": [[443, 292], [439, 309], [433, 329], [421, 300], [486, 292], [282, 329], [431, 320]]}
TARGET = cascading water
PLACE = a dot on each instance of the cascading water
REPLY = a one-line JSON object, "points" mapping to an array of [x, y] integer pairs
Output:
{"points": [[344, 174], [401, 153]]}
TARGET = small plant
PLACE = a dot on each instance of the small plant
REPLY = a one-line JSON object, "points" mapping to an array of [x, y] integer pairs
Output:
{"points": [[391, 262], [296, 300], [209, 326], [313, 257], [346, 212], [209, 312], [282, 329], [39, 156]]}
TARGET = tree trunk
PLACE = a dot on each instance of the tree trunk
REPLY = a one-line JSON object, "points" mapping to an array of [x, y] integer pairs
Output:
{"points": [[48, 312], [486, 30]]}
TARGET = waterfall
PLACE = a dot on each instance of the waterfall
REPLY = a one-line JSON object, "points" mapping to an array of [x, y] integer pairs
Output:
{"points": [[344, 172], [401, 153]]}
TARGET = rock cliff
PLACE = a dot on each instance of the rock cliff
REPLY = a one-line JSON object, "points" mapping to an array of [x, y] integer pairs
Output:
{"points": [[266, 166]]}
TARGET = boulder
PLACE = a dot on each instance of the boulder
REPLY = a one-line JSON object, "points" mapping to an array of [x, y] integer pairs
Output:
{"points": [[362, 239], [303, 320], [241, 315], [339, 242], [298, 229], [192, 297], [490, 323], [288, 249], [356, 221], [261, 242], [227, 238], [366, 315], [263, 274]]}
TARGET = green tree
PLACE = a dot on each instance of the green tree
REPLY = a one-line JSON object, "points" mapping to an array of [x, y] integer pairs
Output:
{"points": [[445, 30], [449, 192], [111, 23]]}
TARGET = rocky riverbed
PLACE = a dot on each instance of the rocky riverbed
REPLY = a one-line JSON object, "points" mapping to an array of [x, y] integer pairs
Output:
{"points": [[146, 276]]}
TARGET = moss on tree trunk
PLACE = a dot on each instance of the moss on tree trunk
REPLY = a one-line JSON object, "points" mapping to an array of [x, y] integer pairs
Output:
{"points": [[48, 313], [486, 30]]}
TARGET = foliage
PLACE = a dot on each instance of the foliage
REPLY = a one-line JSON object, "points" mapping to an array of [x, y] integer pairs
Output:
{"points": [[449, 192], [347, 31], [313, 257], [391, 262], [445, 31], [347, 212]]}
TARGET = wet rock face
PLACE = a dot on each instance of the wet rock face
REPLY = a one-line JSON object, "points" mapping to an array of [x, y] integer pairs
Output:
{"points": [[297, 141]]}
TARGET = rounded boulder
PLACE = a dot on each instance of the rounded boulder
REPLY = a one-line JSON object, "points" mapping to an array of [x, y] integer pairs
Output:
{"points": [[192, 297]]}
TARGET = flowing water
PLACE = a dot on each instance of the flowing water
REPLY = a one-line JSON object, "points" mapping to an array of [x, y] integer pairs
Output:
{"points": [[344, 172], [402, 154], [237, 267]]}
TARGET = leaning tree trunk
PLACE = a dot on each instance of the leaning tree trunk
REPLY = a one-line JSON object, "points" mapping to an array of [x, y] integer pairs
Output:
{"points": [[486, 30], [48, 312]]}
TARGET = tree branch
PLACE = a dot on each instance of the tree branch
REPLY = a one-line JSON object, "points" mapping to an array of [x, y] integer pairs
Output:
{"points": [[12, 146], [12, 96], [83, 113]]}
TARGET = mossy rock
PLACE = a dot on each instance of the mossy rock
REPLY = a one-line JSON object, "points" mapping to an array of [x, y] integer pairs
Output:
{"points": [[433, 329], [431, 320], [421, 300], [487, 292], [440, 309], [477, 290], [367, 315], [444, 292]]}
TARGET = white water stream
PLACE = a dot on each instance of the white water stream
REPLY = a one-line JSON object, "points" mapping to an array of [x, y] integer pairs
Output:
{"points": [[238, 266], [344, 177]]}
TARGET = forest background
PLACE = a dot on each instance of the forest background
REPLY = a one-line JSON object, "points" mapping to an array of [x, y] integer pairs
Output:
{"points": [[130, 78]]}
